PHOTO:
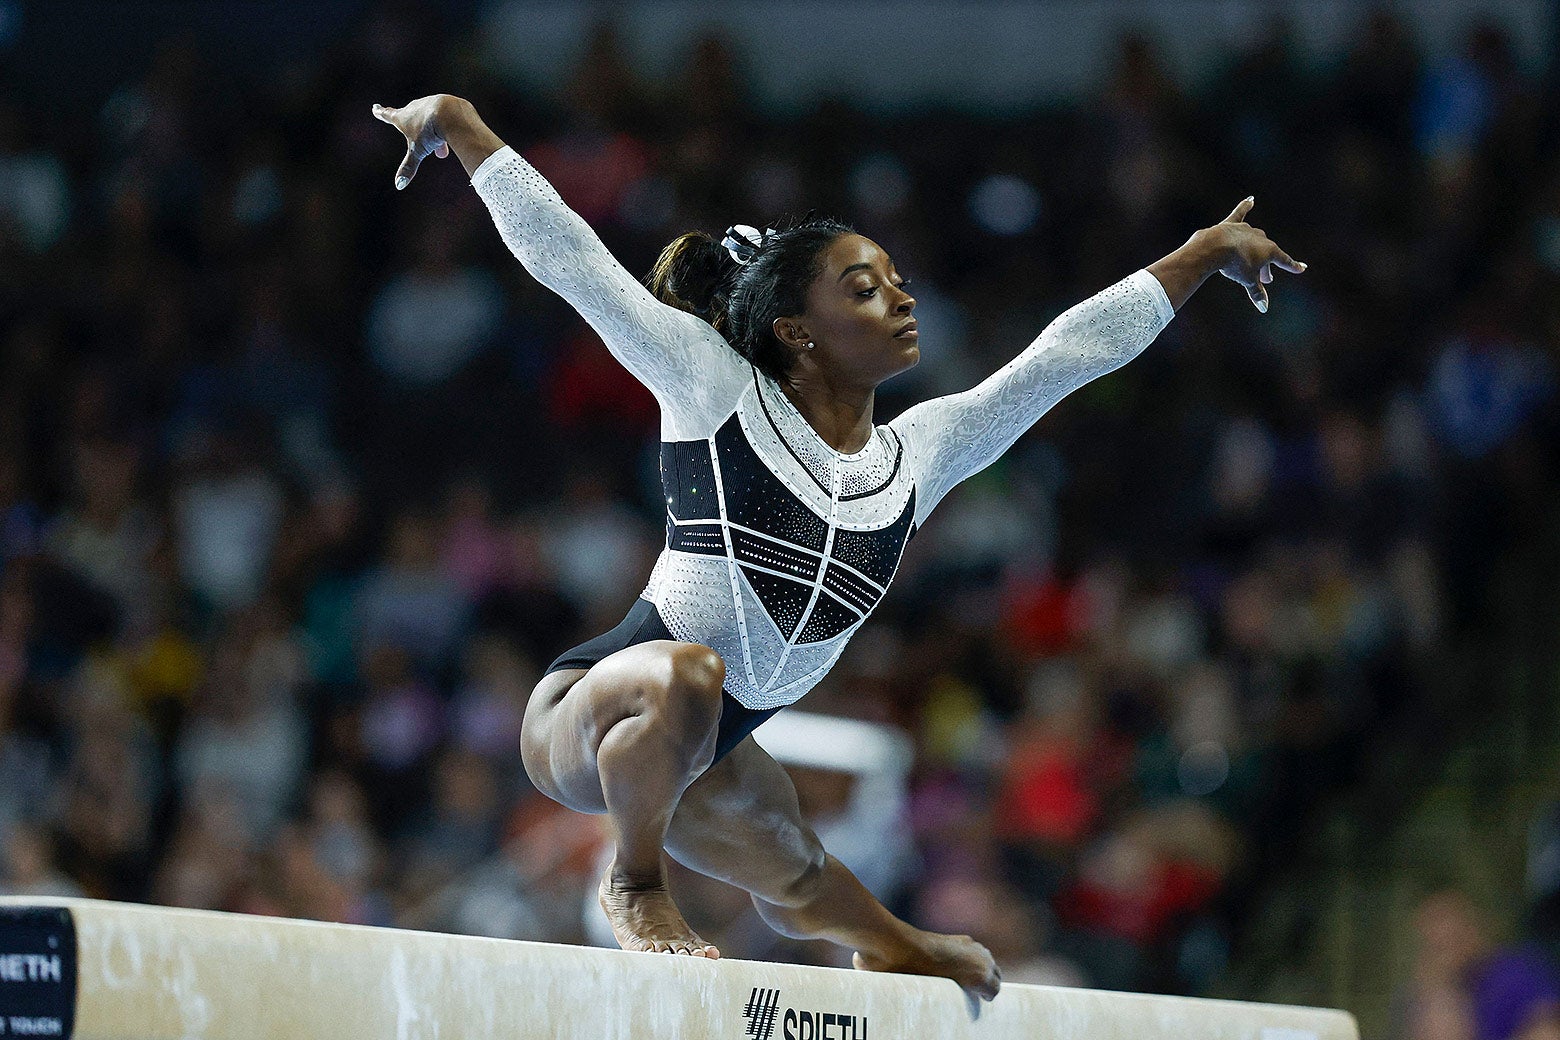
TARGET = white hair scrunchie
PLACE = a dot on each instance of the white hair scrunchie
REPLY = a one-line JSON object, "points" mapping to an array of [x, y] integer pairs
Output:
{"points": [[742, 241]]}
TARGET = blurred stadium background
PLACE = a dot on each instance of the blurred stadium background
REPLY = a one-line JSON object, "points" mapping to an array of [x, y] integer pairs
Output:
{"points": [[1238, 676]]}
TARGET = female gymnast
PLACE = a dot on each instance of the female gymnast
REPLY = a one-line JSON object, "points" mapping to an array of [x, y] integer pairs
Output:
{"points": [[787, 509]]}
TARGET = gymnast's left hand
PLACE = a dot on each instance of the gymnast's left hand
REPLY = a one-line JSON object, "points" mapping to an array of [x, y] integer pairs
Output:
{"points": [[422, 123]]}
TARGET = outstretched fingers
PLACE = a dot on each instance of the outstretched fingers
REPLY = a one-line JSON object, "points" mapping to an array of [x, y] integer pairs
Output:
{"points": [[420, 141], [1259, 296], [408, 168], [1285, 261], [1276, 258], [1242, 207]]}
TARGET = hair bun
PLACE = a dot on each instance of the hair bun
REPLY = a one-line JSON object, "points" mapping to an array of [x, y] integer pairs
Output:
{"points": [[690, 273]]}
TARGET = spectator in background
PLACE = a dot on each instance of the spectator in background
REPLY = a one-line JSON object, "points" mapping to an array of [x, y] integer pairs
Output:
{"points": [[210, 854], [489, 706], [108, 537], [596, 158], [1466, 988], [409, 602], [1486, 384], [244, 741], [27, 865], [392, 735], [429, 322], [473, 548], [103, 801], [461, 826], [1451, 941], [597, 547], [25, 766], [1050, 799], [339, 833], [227, 512], [318, 570], [277, 380]]}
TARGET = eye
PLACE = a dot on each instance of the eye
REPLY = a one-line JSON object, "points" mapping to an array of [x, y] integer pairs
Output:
{"points": [[901, 286]]}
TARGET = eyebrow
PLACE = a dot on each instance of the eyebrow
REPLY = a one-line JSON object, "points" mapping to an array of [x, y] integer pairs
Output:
{"points": [[853, 267]]}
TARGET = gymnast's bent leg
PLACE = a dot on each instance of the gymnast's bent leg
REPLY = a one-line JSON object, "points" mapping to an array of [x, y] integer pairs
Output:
{"points": [[626, 737], [740, 822]]}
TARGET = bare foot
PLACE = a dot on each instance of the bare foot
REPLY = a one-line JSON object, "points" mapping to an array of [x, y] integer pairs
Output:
{"points": [[956, 957], [644, 918]]}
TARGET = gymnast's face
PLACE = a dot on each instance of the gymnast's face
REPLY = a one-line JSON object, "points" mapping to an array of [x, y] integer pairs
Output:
{"points": [[858, 317]]}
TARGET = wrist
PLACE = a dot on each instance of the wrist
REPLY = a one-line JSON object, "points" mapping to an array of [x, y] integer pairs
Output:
{"points": [[1183, 271], [453, 114], [1210, 247], [464, 131]]}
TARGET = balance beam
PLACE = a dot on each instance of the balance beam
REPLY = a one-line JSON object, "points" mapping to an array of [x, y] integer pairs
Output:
{"points": [[119, 971]]}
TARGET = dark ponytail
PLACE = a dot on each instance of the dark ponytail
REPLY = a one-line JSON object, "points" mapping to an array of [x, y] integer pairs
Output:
{"points": [[695, 273]]}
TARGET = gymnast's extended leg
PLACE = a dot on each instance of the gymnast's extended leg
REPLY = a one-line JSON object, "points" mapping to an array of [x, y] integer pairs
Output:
{"points": [[740, 822], [626, 737]]}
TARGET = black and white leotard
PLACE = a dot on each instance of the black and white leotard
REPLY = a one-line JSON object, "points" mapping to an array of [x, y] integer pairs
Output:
{"points": [[778, 547]]}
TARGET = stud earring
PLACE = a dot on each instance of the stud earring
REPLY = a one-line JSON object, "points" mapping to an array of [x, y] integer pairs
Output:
{"points": [[809, 346]]}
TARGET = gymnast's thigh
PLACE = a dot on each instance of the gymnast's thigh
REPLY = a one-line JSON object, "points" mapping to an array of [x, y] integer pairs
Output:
{"points": [[572, 709]]}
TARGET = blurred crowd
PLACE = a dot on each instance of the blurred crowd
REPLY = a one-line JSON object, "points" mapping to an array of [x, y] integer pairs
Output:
{"points": [[303, 480]]}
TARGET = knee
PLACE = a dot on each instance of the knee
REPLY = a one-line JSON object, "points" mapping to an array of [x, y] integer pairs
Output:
{"points": [[684, 695], [697, 670], [694, 677]]}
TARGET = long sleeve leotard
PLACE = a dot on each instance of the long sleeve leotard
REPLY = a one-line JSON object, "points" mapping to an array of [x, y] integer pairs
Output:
{"points": [[778, 547]]}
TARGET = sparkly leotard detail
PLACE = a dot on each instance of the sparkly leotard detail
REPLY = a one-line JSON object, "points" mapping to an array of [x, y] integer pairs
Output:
{"points": [[778, 547]]}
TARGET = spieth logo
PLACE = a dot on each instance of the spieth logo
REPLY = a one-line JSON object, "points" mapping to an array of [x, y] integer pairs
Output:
{"points": [[760, 1013], [763, 1006]]}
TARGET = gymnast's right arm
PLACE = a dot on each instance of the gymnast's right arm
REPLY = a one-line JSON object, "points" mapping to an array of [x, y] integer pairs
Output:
{"points": [[680, 357]]}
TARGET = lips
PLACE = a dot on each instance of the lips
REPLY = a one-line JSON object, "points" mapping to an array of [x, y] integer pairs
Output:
{"points": [[909, 329]]}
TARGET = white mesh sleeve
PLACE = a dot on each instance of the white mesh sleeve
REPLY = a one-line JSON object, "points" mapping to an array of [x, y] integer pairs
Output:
{"points": [[694, 373], [950, 438]]}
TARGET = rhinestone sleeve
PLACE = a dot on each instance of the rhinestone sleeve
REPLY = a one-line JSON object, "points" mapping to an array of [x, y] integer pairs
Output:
{"points": [[952, 437], [695, 375]]}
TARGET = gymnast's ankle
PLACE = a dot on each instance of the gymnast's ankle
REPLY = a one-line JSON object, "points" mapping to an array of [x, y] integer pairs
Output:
{"points": [[629, 878]]}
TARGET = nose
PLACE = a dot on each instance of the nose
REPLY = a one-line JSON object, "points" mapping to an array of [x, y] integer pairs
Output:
{"points": [[906, 303]]}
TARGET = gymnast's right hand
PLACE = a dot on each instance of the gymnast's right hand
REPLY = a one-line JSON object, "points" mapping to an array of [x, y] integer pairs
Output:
{"points": [[1246, 256], [424, 123]]}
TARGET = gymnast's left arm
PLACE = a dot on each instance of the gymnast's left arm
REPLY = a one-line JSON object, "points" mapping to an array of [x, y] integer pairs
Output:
{"points": [[953, 437]]}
